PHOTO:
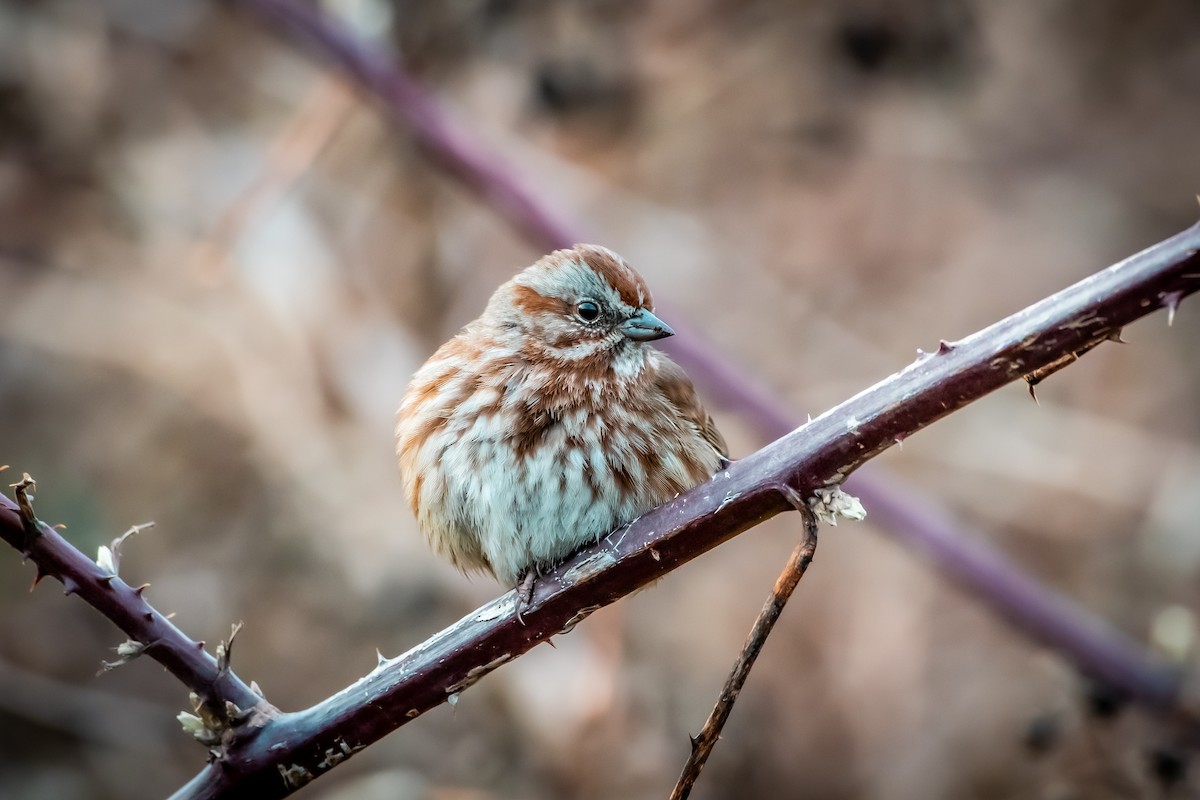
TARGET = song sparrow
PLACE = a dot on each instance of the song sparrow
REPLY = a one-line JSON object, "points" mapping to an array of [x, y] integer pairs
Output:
{"points": [[549, 421]]}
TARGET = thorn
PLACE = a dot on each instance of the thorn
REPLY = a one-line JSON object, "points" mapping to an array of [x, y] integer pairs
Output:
{"points": [[70, 587], [225, 649], [1115, 336], [24, 490], [1033, 393], [200, 645], [61, 526], [234, 712], [148, 616], [551, 643], [140, 590], [944, 347], [1171, 301], [110, 556], [695, 742], [106, 580], [26, 485], [171, 615], [3, 467], [254, 687], [380, 658], [899, 440]]}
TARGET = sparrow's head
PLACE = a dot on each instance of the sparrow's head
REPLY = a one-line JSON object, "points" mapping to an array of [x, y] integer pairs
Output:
{"points": [[580, 304]]}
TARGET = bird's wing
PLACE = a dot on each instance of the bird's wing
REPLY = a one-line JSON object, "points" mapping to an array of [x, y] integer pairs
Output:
{"points": [[676, 386]]}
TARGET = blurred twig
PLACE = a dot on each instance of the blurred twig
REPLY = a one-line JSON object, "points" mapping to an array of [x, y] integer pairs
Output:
{"points": [[295, 748], [452, 145], [785, 584], [291, 153]]}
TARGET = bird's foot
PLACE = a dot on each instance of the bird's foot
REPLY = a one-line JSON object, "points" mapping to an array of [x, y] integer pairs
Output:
{"points": [[525, 592]]}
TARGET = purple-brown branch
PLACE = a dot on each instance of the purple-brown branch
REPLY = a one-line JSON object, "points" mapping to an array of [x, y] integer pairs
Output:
{"points": [[305, 744], [297, 747], [126, 607], [914, 517]]}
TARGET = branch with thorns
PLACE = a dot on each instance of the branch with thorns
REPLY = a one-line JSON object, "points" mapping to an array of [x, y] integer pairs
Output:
{"points": [[225, 702], [280, 752], [268, 754], [917, 519]]}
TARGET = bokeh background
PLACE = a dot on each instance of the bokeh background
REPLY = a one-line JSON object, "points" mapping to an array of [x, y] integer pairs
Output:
{"points": [[219, 265]]}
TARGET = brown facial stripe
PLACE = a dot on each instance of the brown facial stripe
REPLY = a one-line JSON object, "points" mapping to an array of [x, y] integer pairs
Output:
{"points": [[532, 303], [619, 276]]}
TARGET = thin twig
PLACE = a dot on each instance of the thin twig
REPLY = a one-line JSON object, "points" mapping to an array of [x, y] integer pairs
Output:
{"points": [[289, 156], [785, 584]]}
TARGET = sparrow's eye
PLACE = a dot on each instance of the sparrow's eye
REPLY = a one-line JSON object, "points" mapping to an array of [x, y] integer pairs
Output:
{"points": [[587, 311]]}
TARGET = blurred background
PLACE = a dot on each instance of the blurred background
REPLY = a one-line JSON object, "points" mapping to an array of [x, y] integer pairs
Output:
{"points": [[219, 266]]}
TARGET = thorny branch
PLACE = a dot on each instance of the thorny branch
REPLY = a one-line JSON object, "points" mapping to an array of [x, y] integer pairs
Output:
{"points": [[220, 695], [915, 518], [297, 747], [797, 564], [287, 750], [276, 754]]}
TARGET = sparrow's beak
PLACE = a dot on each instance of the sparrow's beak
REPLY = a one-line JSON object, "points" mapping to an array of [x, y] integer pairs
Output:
{"points": [[645, 327]]}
